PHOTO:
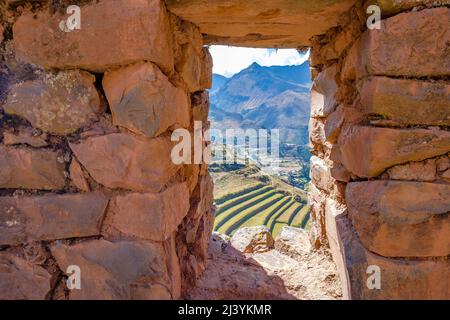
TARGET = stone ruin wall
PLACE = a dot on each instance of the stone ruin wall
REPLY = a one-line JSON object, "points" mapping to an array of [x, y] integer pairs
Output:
{"points": [[76, 183], [379, 131], [79, 170]]}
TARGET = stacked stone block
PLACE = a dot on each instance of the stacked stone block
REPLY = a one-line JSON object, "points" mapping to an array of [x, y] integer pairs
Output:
{"points": [[86, 175], [379, 130]]}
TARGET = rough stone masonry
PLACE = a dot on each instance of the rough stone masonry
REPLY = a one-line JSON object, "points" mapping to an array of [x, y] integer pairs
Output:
{"points": [[86, 175], [86, 116]]}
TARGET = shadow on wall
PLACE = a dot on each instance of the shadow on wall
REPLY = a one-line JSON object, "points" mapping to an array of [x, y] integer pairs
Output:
{"points": [[230, 275]]}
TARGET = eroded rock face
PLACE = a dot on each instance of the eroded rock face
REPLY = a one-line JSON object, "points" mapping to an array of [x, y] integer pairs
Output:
{"points": [[78, 177], [320, 174], [397, 48], [368, 151], [390, 7], [193, 63], [50, 217], [407, 101], [119, 270], [253, 239], [414, 171], [24, 136], [148, 216], [113, 33], [323, 100], [57, 103], [270, 23], [144, 101], [128, 161], [200, 106], [401, 219], [21, 279], [30, 169]]}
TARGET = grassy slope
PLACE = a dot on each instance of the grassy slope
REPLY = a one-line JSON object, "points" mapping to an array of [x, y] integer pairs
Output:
{"points": [[241, 198], [243, 215], [261, 218], [238, 209], [247, 197]]}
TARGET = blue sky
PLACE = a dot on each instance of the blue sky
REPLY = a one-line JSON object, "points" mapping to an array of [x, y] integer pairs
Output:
{"points": [[230, 60]]}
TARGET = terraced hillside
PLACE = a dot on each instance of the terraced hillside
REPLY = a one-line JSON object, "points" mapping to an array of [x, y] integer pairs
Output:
{"points": [[259, 203]]}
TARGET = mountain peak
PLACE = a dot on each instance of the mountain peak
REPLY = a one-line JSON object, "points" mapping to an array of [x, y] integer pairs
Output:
{"points": [[254, 65]]}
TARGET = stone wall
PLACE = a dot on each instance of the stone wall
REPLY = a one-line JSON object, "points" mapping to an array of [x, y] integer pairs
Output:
{"points": [[86, 177], [380, 192]]}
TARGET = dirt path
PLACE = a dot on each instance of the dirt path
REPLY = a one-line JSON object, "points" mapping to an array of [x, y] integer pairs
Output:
{"points": [[290, 271]]}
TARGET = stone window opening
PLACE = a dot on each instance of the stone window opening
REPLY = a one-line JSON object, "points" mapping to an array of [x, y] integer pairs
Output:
{"points": [[86, 176]]}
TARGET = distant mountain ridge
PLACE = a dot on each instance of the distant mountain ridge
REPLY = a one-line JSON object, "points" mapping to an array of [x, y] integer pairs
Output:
{"points": [[264, 97]]}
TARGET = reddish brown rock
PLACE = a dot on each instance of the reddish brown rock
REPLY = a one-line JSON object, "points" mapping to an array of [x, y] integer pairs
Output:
{"points": [[24, 136], [77, 176], [340, 41], [200, 106], [401, 219], [127, 161], [2, 30], [316, 201], [190, 66], [50, 217], [30, 169], [368, 151], [144, 101], [57, 103], [189, 62], [317, 103], [113, 33], [191, 172], [317, 139], [333, 124], [266, 24], [21, 279], [414, 171], [325, 85], [335, 154], [207, 69], [320, 174], [339, 173], [333, 213], [200, 213], [204, 195], [407, 101], [194, 233], [443, 163], [398, 47], [399, 278], [390, 7], [446, 175], [147, 216], [119, 271]]}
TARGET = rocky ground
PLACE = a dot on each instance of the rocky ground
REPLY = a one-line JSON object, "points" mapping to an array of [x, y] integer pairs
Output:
{"points": [[251, 265]]}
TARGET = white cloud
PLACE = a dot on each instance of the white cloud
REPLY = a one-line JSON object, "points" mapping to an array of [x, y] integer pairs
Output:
{"points": [[230, 60]]}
